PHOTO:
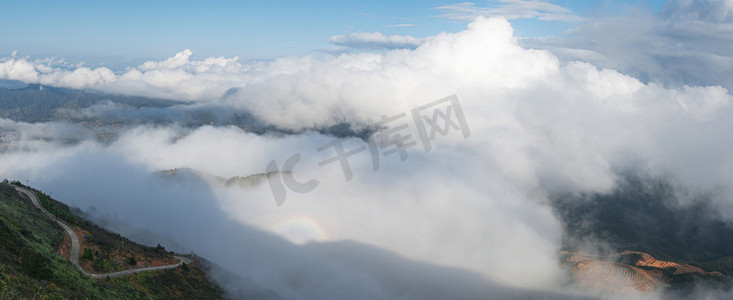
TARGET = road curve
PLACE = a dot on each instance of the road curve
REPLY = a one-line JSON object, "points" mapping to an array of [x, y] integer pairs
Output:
{"points": [[75, 248]]}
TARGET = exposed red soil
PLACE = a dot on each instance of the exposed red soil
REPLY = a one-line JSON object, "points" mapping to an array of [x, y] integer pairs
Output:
{"points": [[65, 247], [116, 257], [600, 271], [647, 260]]}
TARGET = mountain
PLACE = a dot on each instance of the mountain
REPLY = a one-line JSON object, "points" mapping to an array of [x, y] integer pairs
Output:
{"points": [[35, 259], [648, 219], [37, 103], [634, 272]]}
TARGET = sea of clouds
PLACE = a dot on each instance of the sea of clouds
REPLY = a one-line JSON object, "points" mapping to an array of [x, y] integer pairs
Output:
{"points": [[470, 217]]}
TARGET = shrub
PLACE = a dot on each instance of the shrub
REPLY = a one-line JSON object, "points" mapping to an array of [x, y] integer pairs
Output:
{"points": [[87, 254], [101, 265], [36, 266]]}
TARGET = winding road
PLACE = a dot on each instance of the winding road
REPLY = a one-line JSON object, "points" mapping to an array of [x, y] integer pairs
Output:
{"points": [[75, 248]]}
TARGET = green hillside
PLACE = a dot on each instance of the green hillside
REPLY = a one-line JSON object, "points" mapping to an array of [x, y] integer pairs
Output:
{"points": [[31, 265], [36, 104]]}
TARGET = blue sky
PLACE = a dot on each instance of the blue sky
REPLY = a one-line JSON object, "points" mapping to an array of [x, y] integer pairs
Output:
{"points": [[109, 32]]}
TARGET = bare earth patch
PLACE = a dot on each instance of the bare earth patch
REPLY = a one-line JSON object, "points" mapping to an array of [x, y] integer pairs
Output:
{"points": [[606, 272]]}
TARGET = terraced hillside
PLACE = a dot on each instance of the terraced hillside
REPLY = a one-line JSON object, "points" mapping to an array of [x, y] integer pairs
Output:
{"points": [[647, 260], [616, 277], [629, 271]]}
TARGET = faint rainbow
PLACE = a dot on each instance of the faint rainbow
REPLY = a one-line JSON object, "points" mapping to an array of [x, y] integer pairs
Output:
{"points": [[302, 228]]}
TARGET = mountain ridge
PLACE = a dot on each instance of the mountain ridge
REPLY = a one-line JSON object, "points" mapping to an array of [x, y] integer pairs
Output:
{"points": [[31, 265]]}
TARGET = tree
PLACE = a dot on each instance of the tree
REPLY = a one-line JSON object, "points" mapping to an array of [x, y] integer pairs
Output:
{"points": [[87, 254], [131, 260]]}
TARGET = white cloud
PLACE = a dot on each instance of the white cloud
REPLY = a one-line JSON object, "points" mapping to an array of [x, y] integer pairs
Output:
{"points": [[376, 40], [20, 69], [42, 72]]}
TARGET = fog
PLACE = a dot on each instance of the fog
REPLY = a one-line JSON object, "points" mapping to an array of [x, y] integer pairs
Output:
{"points": [[472, 215]]}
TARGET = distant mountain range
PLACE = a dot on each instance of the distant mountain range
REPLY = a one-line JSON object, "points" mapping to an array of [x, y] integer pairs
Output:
{"points": [[39, 103]]}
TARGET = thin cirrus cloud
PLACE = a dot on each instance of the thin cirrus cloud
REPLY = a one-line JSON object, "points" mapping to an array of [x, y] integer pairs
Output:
{"points": [[509, 9], [376, 40], [402, 25], [686, 42]]}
